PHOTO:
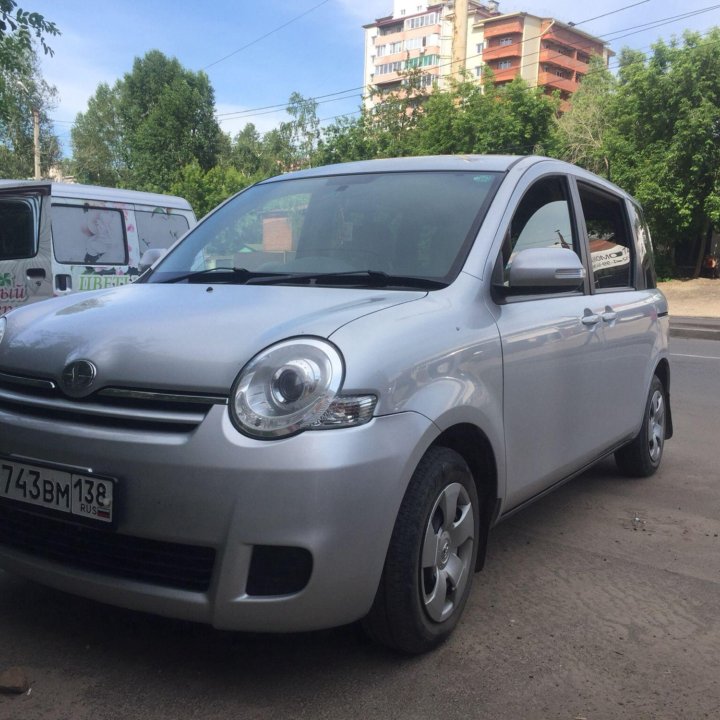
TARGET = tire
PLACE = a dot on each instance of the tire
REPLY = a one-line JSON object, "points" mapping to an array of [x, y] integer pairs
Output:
{"points": [[641, 457], [431, 559]]}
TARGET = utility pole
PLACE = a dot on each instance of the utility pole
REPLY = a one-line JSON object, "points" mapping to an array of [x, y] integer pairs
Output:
{"points": [[36, 140], [459, 42], [36, 127]]}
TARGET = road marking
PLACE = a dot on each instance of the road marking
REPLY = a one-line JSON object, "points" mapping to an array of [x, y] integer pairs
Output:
{"points": [[700, 357]]}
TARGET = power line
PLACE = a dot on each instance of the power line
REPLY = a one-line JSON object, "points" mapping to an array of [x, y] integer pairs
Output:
{"points": [[321, 99], [251, 112], [267, 34], [281, 106]]}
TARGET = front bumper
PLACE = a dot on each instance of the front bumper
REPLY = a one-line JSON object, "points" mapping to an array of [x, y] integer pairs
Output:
{"points": [[335, 493]]}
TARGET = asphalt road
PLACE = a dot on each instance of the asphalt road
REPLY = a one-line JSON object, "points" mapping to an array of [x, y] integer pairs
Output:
{"points": [[601, 601]]}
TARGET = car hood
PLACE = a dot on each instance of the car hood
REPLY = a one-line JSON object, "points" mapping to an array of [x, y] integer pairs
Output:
{"points": [[186, 337]]}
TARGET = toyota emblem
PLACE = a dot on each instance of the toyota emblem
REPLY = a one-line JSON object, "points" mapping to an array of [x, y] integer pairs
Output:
{"points": [[78, 377]]}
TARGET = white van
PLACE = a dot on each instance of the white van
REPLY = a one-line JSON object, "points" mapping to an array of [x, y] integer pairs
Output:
{"points": [[58, 238]]}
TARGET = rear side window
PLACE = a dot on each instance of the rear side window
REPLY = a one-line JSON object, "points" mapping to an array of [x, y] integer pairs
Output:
{"points": [[86, 235], [158, 228], [609, 238], [18, 228], [644, 246], [543, 219]]}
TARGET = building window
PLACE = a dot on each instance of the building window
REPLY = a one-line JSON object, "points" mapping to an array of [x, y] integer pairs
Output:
{"points": [[386, 68], [422, 61], [479, 47], [391, 29], [506, 41], [504, 65], [381, 50], [416, 43], [421, 21], [478, 71]]}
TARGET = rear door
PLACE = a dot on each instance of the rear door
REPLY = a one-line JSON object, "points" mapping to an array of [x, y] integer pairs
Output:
{"points": [[622, 298], [25, 254]]}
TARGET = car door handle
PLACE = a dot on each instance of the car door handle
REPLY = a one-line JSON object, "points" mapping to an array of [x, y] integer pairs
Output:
{"points": [[590, 319], [609, 316]]}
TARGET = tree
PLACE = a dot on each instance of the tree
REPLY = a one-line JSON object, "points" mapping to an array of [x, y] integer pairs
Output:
{"points": [[23, 91], [664, 143], [206, 189], [21, 25], [141, 132], [246, 151], [583, 129], [168, 120], [305, 128], [97, 140]]}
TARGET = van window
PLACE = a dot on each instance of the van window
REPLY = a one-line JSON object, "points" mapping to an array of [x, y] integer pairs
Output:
{"points": [[158, 228], [17, 228], [86, 235]]}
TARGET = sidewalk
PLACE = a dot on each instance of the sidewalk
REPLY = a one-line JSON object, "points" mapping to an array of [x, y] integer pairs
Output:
{"points": [[694, 308]]}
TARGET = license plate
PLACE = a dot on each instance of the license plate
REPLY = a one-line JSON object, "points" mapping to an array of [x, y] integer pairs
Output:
{"points": [[76, 494]]}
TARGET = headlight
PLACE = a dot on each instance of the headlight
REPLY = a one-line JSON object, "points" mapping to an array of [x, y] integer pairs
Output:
{"points": [[293, 386], [3, 325]]}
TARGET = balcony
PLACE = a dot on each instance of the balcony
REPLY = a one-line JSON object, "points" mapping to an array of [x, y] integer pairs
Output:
{"points": [[503, 52], [502, 27], [551, 80], [555, 57], [503, 76], [573, 40]]}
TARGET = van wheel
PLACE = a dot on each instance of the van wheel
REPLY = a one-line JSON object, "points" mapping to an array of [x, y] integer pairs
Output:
{"points": [[641, 457], [431, 559]]}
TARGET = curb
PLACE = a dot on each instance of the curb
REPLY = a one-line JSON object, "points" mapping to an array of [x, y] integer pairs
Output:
{"points": [[695, 328]]}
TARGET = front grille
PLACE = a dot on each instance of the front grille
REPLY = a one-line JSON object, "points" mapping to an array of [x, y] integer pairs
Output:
{"points": [[172, 565], [119, 408]]}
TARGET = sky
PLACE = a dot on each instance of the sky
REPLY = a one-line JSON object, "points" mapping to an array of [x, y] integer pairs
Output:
{"points": [[256, 55]]}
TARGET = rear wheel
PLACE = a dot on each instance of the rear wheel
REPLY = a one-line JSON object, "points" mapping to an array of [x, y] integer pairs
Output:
{"points": [[642, 456], [431, 559]]}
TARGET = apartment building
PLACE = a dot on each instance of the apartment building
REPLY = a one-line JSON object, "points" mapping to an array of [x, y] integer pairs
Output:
{"points": [[543, 51]]}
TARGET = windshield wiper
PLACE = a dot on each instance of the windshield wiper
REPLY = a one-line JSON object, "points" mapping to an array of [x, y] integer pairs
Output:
{"points": [[222, 274], [372, 278]]}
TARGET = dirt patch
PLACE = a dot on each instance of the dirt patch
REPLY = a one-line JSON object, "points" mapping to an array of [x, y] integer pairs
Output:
{"points": [[694, 298]]}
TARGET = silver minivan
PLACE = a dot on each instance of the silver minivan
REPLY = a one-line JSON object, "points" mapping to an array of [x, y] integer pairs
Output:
{"points": [[313, 409]]}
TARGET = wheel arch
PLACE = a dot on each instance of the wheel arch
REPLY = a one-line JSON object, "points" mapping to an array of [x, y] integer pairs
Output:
{"points": [[662, 370], [475, 448]]}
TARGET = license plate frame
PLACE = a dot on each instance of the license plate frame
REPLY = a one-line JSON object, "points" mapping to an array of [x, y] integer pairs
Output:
{"points": [[59, 491]]}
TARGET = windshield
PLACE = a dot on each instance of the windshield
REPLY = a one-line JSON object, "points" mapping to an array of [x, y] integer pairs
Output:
{"points": [[407, 224]]}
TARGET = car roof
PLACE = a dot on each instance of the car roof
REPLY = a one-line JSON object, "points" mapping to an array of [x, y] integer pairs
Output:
{"points": [[95, 192], [450, 163], [487, 163]]}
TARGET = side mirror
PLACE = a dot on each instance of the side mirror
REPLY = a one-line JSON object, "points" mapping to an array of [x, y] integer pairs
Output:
{"points": [[150, 257], [546, 268]]}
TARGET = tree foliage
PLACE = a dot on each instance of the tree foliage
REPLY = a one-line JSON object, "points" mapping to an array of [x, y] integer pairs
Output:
{"points": [[141, 132], [656, 132], [23, 90], [22, 26]]}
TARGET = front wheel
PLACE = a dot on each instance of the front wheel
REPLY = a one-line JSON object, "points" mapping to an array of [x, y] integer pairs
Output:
{"points": [[641, 457], [431, 559]]}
